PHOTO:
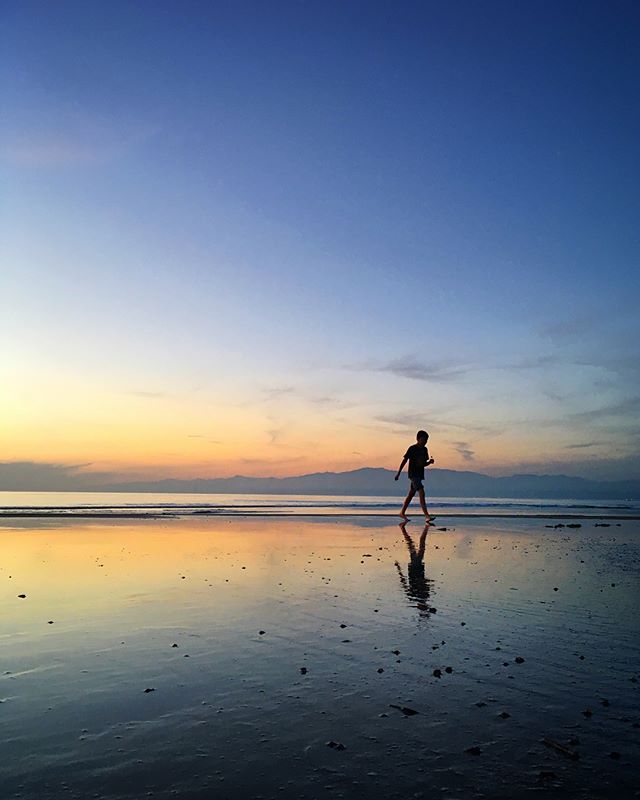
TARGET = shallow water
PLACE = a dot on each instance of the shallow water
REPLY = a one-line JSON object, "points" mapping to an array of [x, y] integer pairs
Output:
{"points": [[232, 714]]}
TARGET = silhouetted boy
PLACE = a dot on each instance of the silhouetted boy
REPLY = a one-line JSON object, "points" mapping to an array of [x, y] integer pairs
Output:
{"points": [[418, 457]]}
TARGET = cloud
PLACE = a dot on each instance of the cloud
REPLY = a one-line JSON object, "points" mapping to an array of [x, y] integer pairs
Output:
{"points": [[414, 419], [465, 450], [442, 372], [48, 477], [532, 362], [67, 137], [615, 469], [567, 328], [203, 436], [149, 395], [582, 445], [622, 408], [272, 393], [412, 368], [276, 434], [326, 400], [260, 462]]}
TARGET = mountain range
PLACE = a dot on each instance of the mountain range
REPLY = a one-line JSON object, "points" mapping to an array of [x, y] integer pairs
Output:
{"points": [[372, 481]]}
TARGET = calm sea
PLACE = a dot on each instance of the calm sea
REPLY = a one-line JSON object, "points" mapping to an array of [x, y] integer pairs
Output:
{"points": [[166, 504]]}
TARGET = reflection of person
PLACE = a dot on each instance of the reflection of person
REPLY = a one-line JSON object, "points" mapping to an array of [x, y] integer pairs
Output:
{"points": [[418, 585], [418, 457]]}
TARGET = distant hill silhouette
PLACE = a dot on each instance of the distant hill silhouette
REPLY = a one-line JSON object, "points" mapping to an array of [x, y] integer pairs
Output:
{"points": [[378, 481]]}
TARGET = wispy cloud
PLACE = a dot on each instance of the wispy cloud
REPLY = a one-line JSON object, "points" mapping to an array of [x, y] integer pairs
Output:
{"points": [[148, 395], [416, 419], [276, 434], [68, 137], [531, 362], [567, 328], [413, 368], [417, 370], [274, 392], [627, 408], [465, 450], [45, 476], [582, 445]]}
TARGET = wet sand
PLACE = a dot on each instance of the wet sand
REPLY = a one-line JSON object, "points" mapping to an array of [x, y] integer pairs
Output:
{"points": [[256, 657]]}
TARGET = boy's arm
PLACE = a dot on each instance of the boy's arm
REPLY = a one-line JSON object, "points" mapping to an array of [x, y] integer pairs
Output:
{"points": [[400, 468]]}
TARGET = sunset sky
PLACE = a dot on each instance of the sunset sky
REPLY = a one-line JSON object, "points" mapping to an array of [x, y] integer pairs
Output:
{"points": [[277, 238]]}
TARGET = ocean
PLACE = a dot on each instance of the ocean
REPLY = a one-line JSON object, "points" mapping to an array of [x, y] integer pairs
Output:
{"points": [[118, 504]]}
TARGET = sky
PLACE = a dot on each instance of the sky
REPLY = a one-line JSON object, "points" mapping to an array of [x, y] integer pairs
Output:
{"points": [[278, 238]]}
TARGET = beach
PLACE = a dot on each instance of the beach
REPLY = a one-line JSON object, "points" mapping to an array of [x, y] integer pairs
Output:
{"points": [[256, 657]]}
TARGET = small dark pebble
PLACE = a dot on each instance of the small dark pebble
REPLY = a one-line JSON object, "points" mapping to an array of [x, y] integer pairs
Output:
{"points": [[408, 712], [336, 745], [574, 525], [380, 670], [50, 622], [396, 652], [519, 660], [504, 715], [588, 713], [22, 595], [433, 610], [342, 625], [463, 623], [146, 691], [474, 751], [437, 673], [174, 645], [303, 670], [261, 633], [481, 704], [555, 588], [449, 670]]}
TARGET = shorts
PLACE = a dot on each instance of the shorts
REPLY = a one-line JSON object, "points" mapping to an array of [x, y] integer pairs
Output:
{"points": [[416, 484]]}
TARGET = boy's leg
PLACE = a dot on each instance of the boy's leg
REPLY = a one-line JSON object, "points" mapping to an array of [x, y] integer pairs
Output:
{"points": [[423, 503], [407, 500]]}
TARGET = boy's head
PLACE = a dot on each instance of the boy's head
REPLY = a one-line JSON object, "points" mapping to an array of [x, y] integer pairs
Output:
{"points": [[421, 437]]}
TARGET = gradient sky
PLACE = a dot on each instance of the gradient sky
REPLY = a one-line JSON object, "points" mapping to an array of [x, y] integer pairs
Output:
{"points": [[275, 238]]}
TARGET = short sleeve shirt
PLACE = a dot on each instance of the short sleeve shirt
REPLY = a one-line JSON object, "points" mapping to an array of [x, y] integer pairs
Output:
{"points": [[418, 457]]}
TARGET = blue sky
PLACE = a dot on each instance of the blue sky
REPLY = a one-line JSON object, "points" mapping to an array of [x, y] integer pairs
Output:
{"points": [[323, 224]]}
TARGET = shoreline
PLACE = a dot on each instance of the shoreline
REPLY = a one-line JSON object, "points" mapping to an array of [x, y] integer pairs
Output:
{"points": [[71, 514]]}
